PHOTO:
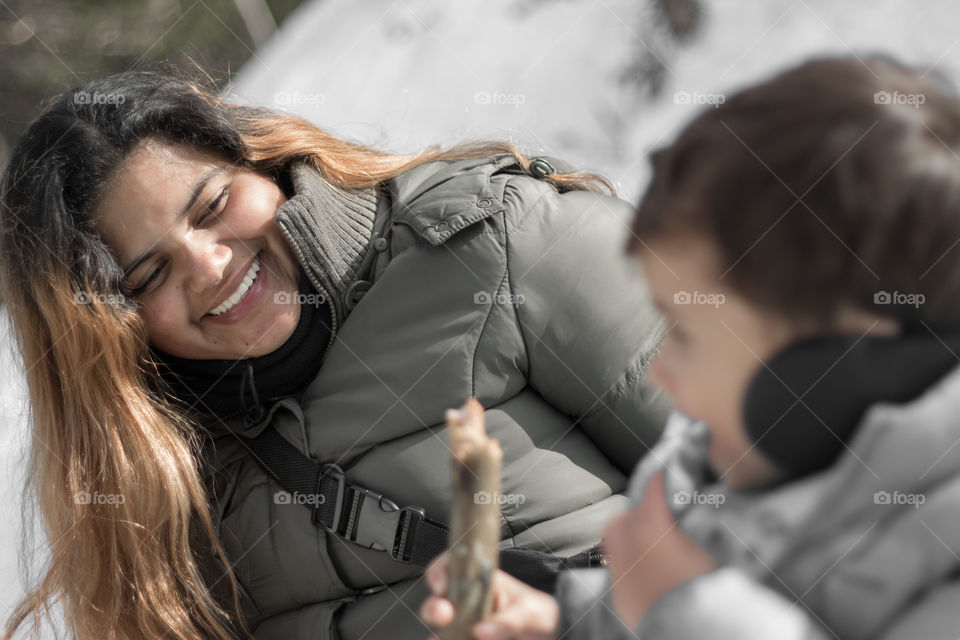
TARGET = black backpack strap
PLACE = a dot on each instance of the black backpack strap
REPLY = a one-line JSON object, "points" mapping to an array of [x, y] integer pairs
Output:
{"points": [[354, 513]]}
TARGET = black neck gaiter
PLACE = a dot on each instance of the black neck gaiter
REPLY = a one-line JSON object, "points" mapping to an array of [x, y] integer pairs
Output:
{"points": [[805, 404]]}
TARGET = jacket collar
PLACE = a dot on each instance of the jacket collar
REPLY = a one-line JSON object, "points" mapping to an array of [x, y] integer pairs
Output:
{"points": [[330, 232]]}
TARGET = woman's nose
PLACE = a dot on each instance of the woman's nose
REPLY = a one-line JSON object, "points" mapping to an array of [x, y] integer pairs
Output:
{"points": [[208, 259]]}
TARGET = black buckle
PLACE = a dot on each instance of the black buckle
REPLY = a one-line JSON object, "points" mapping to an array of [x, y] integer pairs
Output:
{"points": [[376, 522], [334, 471]]}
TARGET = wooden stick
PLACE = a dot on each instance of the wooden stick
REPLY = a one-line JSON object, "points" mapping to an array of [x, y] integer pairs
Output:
{"points": [[475, 519]]}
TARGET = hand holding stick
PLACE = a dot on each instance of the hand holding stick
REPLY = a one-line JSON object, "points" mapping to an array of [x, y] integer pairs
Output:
{"points": [[475, 521]]}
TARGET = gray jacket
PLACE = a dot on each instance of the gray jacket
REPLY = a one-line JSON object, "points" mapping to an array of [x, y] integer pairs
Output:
{"points": [[460, 278], [869, 548]]}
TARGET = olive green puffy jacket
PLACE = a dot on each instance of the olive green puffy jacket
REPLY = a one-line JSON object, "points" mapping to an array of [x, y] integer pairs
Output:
{"points": [[491, 284]]}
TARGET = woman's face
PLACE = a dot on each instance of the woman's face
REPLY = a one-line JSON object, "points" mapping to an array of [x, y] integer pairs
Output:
{"points": [[189, 229]]}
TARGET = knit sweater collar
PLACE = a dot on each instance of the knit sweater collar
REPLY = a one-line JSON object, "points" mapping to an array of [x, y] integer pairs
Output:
{"points": [[329, 231]]}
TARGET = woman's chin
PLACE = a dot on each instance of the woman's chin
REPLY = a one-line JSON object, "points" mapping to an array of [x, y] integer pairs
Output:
{"points": [[269, 340]]}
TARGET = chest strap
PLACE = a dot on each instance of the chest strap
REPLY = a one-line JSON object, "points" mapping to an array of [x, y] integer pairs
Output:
{"points": [[356, 514], [372, 520]]}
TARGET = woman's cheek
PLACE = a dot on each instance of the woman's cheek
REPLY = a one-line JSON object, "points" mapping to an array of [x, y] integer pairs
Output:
{"points": [[253, 202], [159, 315]]}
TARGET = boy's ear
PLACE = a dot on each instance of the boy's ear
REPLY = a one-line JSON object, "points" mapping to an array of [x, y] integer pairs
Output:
{"points": [[805, 403]]}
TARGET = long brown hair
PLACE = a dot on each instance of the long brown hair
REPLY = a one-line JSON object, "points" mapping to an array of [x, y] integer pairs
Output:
{"points": [[115, 468]]}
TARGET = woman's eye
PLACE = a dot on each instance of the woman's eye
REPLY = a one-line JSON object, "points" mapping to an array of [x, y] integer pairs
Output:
{"points": [[146, 283], [216, 206]]}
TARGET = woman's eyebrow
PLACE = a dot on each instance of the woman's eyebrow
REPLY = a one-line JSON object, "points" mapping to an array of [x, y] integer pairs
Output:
{"points": [[205, 179]]}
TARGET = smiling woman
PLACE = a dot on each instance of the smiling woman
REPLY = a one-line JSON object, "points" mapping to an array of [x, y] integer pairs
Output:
{"points": [[184, 275]]}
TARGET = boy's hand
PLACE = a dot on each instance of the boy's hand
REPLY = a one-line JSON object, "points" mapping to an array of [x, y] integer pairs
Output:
{"points": [[649, 555], [519, 611]]}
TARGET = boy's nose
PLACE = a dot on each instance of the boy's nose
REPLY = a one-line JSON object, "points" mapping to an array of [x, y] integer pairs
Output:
{"points": [[657, 373]]}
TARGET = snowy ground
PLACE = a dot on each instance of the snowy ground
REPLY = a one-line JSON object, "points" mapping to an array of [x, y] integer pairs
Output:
{"points": [[559, 76]]}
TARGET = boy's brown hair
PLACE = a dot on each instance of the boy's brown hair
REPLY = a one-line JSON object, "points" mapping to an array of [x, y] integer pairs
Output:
{"points": [[836, 183]]}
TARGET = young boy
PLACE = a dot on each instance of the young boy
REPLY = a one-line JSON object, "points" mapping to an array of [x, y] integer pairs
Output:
{"points": [[801, 239]]}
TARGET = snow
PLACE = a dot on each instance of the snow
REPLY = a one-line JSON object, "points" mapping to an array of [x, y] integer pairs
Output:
{"points": [[14, 438], [557, 76]]}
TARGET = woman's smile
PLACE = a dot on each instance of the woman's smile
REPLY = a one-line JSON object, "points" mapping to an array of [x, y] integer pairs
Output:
{"points": [[247, 293]]}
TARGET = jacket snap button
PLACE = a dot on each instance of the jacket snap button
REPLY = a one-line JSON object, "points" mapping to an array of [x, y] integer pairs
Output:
{"points": [[440, 226], [380, 244], [484, 203], [354, 292], [540, 168]]}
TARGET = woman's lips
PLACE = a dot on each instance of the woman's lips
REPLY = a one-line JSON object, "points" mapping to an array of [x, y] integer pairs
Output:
{"points": [[249, 301]]}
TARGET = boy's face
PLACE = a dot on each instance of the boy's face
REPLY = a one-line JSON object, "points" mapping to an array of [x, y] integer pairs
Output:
{"points": [[715, 344]]}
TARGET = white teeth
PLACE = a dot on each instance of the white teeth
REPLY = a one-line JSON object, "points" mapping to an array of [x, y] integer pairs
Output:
{"points": [[241, 291]]}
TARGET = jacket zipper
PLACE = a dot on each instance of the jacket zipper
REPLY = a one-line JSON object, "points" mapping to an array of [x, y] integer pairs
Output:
{"points": [[333, 312]]}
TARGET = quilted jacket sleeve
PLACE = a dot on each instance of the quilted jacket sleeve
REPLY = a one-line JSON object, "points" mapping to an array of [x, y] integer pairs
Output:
{"points": [[714, 604], [589, 326]]}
